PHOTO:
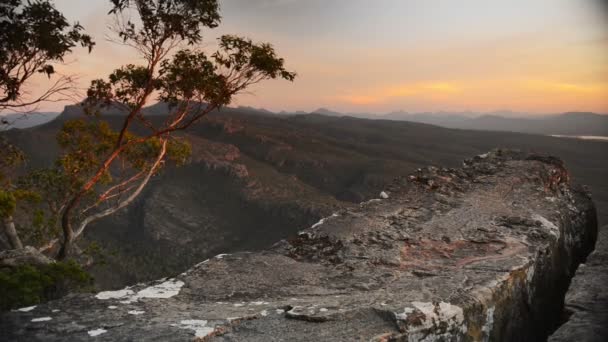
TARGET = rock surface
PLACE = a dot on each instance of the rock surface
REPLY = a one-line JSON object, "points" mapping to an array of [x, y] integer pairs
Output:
{"points": [[485, 252], [26, 256], [587, 298]]}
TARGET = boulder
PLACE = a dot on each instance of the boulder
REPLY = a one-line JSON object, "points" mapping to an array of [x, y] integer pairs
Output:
{"points": [[480, 253], [26, 256]]}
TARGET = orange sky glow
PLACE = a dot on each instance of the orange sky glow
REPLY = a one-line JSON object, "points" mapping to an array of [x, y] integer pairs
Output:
{"points": [[527, 56]]}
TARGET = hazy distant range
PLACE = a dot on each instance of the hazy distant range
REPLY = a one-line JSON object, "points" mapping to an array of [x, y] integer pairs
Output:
{"points": [[20, 120], [580, 124], [583, 124]]}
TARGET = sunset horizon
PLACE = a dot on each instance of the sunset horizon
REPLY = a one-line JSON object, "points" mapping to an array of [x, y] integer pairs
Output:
{"points": [[304, 170], [537, 57]]}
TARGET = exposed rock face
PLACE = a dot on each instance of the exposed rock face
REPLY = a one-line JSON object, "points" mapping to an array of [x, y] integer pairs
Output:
{"points": [[587, 298], [26, 256], [481, 253]]}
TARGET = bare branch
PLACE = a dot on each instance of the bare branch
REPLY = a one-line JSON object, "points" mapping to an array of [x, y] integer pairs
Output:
{"points": [[131, 197], [63, 89]]}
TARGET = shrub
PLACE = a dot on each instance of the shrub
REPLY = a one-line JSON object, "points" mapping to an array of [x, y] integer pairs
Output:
{"points": [[28, 285]]}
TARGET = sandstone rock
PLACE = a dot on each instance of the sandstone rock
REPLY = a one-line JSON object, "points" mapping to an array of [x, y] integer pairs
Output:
{"points": [[26, 256], [587, 299], [481, 253]]}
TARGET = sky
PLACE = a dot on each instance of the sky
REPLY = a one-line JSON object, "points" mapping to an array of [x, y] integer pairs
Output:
{"points": [[532, 56]]}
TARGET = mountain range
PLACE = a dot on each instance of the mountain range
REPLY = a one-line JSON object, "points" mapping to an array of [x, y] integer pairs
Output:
{"points": [[570, 123], [280, 173], [20, 120]]}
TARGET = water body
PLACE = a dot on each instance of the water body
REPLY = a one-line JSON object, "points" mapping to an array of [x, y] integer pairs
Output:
{"points": [[583, 137]]}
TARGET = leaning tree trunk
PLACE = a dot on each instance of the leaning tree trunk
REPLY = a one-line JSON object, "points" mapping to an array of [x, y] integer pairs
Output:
{"points": [[70, 235], [11, 232]]}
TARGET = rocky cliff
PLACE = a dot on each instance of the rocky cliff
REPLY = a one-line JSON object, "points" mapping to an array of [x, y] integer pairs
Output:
{"points": [[587, 298], [483, 252], [281, 174]]}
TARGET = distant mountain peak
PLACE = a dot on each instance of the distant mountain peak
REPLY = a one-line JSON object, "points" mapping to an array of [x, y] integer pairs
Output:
{"points": [[326, 111]]}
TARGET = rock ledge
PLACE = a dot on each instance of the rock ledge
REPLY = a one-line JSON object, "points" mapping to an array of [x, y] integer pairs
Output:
{"points": [[484, 252]]}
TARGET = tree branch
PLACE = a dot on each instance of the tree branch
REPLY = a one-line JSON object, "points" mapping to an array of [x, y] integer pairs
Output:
{"points": [[128, 200]]}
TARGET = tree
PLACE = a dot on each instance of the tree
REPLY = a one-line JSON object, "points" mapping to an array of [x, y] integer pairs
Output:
{"points": [[10, 157], [33, 36], [193, 84]]}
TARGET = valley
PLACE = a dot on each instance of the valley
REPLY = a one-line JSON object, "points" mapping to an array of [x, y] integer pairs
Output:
{"points": [[256, 178]]}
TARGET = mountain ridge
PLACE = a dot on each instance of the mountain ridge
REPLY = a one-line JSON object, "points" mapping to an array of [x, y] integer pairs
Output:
{"points": [[567, 123], [281, 173]]}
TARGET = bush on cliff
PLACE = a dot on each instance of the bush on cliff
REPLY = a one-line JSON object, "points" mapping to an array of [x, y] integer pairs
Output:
{"points": [[26, 285]]}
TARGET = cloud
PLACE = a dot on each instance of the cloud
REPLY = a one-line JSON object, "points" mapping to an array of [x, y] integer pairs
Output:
{"points": [[390, 93], [568, 88], [361, 100]]}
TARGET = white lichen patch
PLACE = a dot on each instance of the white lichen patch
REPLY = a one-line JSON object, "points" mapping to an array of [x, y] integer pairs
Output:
{"points": [[167, 289], [489, 324], [238, 305], [114, 294], [530, 274], [403, 315], [112, 307], [164, 290], [550, 226], [280, 311], [96, 332], [264, 313], [323, 310], [206, 261], [136, 312], [321, 221], [27, 309], [41, 319], [199, 327], [434, 321], [451, 312]]}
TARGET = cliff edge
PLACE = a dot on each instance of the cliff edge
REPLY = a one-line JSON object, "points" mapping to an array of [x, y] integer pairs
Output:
{"points": [[483, 252]]}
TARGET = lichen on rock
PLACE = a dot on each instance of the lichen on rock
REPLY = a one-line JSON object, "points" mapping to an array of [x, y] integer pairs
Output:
{"points": [[480, 253]]}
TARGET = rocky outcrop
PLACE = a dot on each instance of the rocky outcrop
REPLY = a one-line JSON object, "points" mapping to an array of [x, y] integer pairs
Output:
{"points": [[480, 253], [25, 256], [587, 299]]}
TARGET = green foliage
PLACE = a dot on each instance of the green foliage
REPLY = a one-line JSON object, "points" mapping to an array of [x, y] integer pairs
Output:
{"points": [[167, 19], [33, 34], [10, 157], [84, 144], [179, 151], [48, 185], [97, 253], [104, 165], [8, 203], [28, 285], [39, 195], [191, 75], [242, 54]]}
